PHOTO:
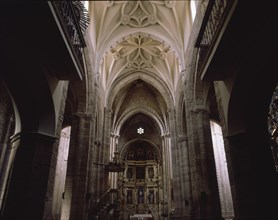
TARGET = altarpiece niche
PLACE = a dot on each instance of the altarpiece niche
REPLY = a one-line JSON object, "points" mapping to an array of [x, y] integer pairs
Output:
{"points": [[140, 182]]}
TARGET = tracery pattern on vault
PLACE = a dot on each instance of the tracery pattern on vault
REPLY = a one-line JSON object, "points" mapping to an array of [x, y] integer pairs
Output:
{"points": [[141, 52], [139, 13], [160, 17], [147, 36]]}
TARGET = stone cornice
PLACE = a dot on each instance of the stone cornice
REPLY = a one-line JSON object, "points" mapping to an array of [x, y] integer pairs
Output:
{"points": [[37, 135]]}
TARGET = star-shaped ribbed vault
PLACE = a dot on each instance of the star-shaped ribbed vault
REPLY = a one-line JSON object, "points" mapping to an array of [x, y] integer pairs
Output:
{"points": [[140, 52], [139, 40]]}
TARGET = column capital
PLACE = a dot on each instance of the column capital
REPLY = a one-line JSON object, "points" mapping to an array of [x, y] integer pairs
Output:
{"points": [[97, 143], [108, 110], [85, 115], [201, 110], [165, 135], [114, 135], [182, 138], [198, 111]]}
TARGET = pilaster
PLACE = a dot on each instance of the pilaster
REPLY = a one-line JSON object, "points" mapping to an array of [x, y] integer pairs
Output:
{"points": [[104, 151]]}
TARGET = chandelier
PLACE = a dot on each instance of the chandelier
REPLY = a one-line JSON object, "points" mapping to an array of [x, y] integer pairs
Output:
{"points": [[116, 165]]}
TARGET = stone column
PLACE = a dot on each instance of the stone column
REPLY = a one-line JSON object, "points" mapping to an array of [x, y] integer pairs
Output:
{"points": [[169, 176], [166, 190], [163, 196], [185, 196], [7, 157], [78, 165], [5, 133], [206, 201], [28, 180], [178, 180], [98, 176], [95, 165], [255, 180], [104, 151], [113, 176]]}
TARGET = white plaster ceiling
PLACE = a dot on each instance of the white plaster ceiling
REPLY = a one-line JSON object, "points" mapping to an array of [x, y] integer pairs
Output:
{"points": [[140, 52], [146, 39]]}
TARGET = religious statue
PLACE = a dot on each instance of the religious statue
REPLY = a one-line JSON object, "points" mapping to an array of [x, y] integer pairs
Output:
{"points": [[151, 172], [140, 196], [129, 173], [129, 197], [151, 197]]}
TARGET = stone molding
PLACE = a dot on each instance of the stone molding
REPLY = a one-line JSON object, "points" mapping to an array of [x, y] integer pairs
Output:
{"points": [[87, 116], [198, 111], [38, 135]]}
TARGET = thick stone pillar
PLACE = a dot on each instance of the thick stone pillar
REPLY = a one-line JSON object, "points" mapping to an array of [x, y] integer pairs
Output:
{"points": [[184, 180], [28, 182], [165, 174], [169, 175], [98, 176], [95, 167], [6, 160], [206, 201], [178, 181], [104, 156], [113, 176], [77, 170], [255, 180]]}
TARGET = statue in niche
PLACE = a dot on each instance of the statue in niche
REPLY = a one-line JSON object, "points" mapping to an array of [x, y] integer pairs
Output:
{"points": [[151, 197], [129, 173], [140, 197], [140, 154], [130, 155], [140, 172], [150, 155], [151, 172], [129, 197]]}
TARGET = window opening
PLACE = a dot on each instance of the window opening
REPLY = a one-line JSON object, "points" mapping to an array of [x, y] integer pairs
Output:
{"points": [[224, 187], [140, 130]]}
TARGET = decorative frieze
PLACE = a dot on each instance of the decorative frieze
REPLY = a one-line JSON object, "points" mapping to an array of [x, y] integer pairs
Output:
{"points": [[139, 13], [139, 50]]}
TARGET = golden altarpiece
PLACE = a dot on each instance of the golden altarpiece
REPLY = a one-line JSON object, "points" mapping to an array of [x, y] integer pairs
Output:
{"points": [[140, 184]]}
